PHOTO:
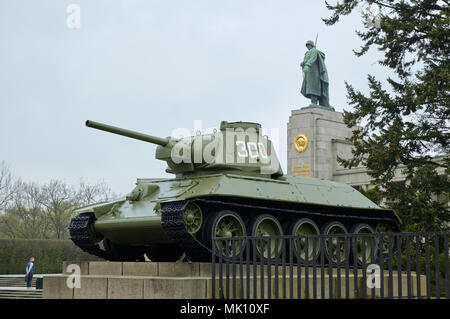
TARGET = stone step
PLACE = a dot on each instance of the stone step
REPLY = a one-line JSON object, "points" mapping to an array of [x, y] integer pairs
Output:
{"points": [[15, 281], [20, 293], [18, 297], [7, 296]]}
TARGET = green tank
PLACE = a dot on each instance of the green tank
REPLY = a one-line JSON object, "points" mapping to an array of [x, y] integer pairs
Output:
{"points": [[226, 184]]}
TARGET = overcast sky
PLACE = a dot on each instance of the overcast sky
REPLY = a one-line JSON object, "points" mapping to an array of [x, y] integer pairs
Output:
{"points": [[153, 66]]}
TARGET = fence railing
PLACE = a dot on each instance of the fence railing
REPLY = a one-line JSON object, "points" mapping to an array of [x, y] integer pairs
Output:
{"points": [[381, 265]]}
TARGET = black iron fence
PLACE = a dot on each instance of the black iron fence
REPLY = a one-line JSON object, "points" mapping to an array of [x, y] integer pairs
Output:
{"points": [[381, 265]]}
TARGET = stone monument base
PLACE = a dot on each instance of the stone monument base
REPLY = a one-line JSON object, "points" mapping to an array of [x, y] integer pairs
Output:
{"points": [[158, 280], [323, 136]]}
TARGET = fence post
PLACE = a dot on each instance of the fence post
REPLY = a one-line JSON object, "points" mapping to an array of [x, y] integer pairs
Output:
{"points": [[427, 265], [233, 258], [306, 268], [418, 254], [291, 268], [247, 261], [436, 260], [381, 261], [447, 276], [390, 257], [408, 266], [213, 270], [221, 295], [314, 267], [399, 266]]}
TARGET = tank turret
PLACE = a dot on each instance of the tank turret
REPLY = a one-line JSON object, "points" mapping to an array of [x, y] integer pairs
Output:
{"points": [[238, 147]]}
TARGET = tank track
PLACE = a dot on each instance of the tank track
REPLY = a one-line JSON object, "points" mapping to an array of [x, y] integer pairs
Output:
{"points": [[79, 234], [173, 222]]}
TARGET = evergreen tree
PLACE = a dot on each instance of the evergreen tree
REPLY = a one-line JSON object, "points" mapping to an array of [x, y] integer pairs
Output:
{"points": [[405, 127]]}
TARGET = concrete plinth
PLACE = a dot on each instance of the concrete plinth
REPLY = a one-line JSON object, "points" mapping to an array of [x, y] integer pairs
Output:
{"points": [[92, 288], [125, 288], [148, 280], [55, 287], [176, 288], [179, 269], [106, 268], [140, 269]]}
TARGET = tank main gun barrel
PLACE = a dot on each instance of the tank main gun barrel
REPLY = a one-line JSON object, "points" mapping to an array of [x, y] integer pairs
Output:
{"points": [[128, 133]]}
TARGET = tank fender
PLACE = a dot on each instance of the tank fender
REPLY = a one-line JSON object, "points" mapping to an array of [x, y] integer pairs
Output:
{"points": [[100, 208]]}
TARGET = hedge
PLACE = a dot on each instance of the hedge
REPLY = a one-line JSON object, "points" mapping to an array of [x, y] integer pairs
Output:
{"points": [[48, 254]]}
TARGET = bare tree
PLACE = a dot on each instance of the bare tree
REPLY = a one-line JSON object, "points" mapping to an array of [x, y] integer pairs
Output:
{"points": [[89, 194], [7, 187], [29, 210], [59, 202], [25, 217]]}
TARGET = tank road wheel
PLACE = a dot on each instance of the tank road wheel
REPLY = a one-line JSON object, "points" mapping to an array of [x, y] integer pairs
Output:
{"points": [[386, 242], [227, 224], [263, 226], [305, 227], [164, 253], [193, 218], [365, 247], [336, 244]]}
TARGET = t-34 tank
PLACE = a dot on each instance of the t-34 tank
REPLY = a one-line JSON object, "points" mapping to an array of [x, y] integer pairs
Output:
{"points": [[228, 183]]}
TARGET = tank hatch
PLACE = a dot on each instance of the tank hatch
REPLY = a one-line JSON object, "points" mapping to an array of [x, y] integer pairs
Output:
{"points": [[224, 125]]}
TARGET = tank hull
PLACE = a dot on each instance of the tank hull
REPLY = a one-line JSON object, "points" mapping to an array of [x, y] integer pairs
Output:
{"points": [[138, 222]]}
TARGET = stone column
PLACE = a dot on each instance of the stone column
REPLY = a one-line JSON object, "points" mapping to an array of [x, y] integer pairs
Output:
{"points": [[325, 133]]}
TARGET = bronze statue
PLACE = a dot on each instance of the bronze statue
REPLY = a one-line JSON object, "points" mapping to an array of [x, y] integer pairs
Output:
{"points": [[315, 77]]}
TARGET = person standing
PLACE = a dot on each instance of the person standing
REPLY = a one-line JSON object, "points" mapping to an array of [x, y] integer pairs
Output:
{"points": [[29, 272]]}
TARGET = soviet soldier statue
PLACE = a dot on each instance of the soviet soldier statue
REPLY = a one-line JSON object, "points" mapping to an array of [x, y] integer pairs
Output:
{"points": [[315, 79]]}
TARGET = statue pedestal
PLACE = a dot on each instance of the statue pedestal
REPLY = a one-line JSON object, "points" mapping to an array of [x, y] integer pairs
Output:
{"points": [[315, 106], [325, 132]]}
